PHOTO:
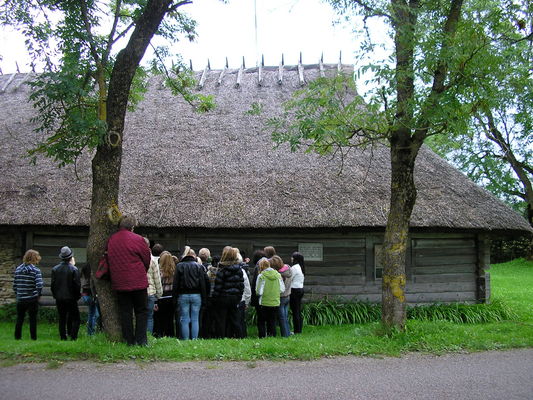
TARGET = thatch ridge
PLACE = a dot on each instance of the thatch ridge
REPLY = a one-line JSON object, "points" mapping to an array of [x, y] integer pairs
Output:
{"points": [[220, 170]]}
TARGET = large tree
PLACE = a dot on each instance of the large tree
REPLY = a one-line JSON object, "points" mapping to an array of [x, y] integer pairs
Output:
{"points": [[431, 59], [497, 148], [87, 87]]}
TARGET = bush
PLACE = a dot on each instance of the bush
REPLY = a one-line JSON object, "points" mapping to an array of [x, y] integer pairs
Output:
{"points": [[505, 250], [334, 312]]}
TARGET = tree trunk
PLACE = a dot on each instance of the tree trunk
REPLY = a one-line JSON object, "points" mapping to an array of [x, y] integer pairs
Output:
{"points": [[107, 161], [106, 173], [403, 197]]}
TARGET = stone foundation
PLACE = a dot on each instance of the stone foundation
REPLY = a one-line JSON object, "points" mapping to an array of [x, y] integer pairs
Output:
{"points": [[11, 253]]}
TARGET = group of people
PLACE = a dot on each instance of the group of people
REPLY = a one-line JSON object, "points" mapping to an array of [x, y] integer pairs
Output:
{"points": [[199, 296], [192, 296]]}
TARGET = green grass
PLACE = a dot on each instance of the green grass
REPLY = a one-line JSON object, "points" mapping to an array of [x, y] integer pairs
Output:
{"points": [[511, 287]]}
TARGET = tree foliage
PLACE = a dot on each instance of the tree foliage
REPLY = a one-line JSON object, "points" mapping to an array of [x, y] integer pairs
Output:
{"points": [[496, 147], [75, 43]]}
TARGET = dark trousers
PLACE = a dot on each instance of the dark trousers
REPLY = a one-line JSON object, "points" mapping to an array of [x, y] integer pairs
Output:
{"points": [[266, 321], [31, 307], [296, 309], [69, 318], [226, 316], [130, 302], [242, 319], [164, 318]]}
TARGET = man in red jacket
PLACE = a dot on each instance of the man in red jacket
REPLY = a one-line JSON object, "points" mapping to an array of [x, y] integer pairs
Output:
{"points": [[129, 259]]}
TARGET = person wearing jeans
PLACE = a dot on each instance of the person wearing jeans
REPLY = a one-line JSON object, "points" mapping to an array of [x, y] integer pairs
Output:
{"points": [[283, 312], [155, 289], [190, 290], [189, 310]]}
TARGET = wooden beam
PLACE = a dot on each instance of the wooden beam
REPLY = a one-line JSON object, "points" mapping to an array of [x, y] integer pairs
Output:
{"points": [[8, 83], [280, 70], [239, 75], [204, 76], [301, 72]]}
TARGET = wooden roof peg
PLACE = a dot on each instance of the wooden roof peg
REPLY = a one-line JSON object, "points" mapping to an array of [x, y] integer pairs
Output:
{"points": [[190, 64], [243, 63], [301, 71], [7, 83], [280, 70], [18, 69], [204, 76], [260, 71], [222, 73], [321, 66], [339, 65], [239, 75], [227, 63]]}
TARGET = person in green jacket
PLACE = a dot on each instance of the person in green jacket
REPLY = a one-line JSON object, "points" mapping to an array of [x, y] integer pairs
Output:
{"points": [[268, 288]]}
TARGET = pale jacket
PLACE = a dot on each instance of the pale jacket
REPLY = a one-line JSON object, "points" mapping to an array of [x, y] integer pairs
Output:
{"points": [[154, 280], [247, 294], [297, 277]]}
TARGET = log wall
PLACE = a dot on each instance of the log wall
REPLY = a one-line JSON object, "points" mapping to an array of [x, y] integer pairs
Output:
{"points": [[440, 267]]}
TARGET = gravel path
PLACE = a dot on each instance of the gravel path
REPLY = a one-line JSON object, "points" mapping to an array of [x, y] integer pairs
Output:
{"points": [[498, 375]]}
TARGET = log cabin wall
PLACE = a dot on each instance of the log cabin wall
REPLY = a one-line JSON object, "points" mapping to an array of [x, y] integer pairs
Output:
{"points": [[440, 267]]}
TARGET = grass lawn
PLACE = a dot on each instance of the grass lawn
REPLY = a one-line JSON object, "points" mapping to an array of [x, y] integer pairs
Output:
{"points": [[511, 282]]}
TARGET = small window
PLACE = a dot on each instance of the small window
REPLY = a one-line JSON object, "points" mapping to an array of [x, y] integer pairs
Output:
{"points": [[378, 263]]}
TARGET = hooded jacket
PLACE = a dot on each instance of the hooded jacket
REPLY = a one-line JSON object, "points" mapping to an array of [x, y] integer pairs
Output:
{"points": [[286, 274], [269, 287]]}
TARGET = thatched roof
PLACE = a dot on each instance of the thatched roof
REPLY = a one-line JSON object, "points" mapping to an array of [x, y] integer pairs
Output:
{"points": [[219, 170]]}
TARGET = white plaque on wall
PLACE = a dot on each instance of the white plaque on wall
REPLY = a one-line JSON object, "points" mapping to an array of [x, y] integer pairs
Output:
{"points": [[311, 251]]}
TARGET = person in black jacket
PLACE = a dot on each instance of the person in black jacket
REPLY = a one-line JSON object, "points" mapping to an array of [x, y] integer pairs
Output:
{"points": [[227, 294], [190, 290], [66, 291]]}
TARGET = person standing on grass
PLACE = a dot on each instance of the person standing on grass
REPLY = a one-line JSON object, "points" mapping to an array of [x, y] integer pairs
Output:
{"points": [[246, 297], [164, 316], [27, 285], [66, 288], [155, 290], [297, 290], [89, 299], [129, 260], [227, 294], [286, 274], [190, 289], [268, 288]]}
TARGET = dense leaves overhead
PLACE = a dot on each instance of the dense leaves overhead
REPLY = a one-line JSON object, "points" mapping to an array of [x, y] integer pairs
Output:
{"points": [[73, 43]]}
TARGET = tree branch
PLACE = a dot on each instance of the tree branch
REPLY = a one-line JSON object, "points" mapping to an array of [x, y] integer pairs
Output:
{"points": [[441, 72]]}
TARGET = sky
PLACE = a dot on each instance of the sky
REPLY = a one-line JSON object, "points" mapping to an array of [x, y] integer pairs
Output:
{"points": [[285, 27]]}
